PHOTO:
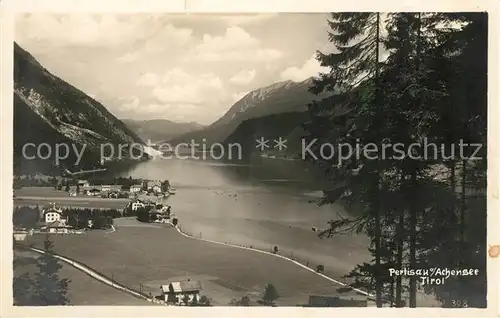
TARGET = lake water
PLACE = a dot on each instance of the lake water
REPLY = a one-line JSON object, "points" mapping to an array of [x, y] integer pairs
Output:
{"points": [[267, 203]]}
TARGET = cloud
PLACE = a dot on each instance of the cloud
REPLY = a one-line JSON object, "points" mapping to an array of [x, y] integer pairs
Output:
{"points": [[311, 67], [235, 45], [148, 79], [76, 29], [171, 65], [150, 32], [128, 57], [178, 86], [244, 19], [243, 77], [166, 38], [130, 104]]}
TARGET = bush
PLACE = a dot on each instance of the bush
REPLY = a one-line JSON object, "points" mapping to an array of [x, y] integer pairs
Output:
{"points": [[205, 301], [270, 295], [244, 301], [44, 288]]}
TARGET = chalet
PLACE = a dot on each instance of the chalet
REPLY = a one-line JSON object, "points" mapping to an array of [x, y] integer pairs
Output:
{"points": [[156, 189], [93, 192], [136, 188], [20, 236], [52, 214], [137, 204], [58, 227], [166, 209], [154, 186], [160, 215], [116, 188], [83, 184], [178, 292]]}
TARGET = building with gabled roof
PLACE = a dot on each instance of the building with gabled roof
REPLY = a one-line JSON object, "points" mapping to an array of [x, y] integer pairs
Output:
{"points": [[52, 214], [58, 227], [178, 292]]}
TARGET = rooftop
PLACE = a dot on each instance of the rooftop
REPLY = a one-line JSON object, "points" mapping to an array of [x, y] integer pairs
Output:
{"points": [[57, 224], [184, 286], [52, 209], [153, 183]]}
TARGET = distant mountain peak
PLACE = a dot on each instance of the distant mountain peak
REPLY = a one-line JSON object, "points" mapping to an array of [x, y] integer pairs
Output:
{"points": [[161, 129]]}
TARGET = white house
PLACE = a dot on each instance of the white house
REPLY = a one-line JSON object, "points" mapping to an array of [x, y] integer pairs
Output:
{"points": [[52, 214], [93, 192], [20, 236], [58, 227], [156, 189], [154, 186], [137, 204], [176, 292], [83, 184], [136, 188]]}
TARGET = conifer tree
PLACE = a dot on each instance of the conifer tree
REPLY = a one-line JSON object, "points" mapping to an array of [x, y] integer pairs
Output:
{"points": [[50, 290], [354, 78], [422, 92]]}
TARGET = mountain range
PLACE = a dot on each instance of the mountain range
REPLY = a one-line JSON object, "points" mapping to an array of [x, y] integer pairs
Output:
{"points": [[287, 97], [49, 110], [160, 129]]}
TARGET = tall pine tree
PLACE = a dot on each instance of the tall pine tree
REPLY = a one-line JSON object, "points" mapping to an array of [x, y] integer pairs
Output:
{"points": [[50, 289], [355, 112]]}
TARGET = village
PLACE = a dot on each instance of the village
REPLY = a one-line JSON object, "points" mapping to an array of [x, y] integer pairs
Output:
{"points": [[32, 222], [113, 213], [148, 187]]}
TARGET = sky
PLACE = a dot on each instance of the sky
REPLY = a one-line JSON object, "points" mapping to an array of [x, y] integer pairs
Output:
{"points": [[181, 67]]}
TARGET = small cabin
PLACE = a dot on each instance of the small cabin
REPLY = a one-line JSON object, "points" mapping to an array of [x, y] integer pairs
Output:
{"points": [[137, 204], [154, 186], [83, 184], [58, 227], [136, 188], [181, 292], [20, 236], [93, 192]]}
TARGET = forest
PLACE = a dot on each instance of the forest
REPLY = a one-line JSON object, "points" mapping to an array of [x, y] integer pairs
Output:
{"points": [[408, 78]]}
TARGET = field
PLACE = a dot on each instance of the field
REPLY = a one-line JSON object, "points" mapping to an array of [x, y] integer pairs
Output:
{"points": [[47, 195], [84, 290], [145, 256]]}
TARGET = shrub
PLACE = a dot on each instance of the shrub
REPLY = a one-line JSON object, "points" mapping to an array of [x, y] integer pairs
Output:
{"points": [[270, 294]]}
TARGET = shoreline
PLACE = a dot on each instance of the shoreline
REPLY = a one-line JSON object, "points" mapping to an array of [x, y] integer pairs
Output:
{"points": [[370, 297], [304, 266], [292, 270]]}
